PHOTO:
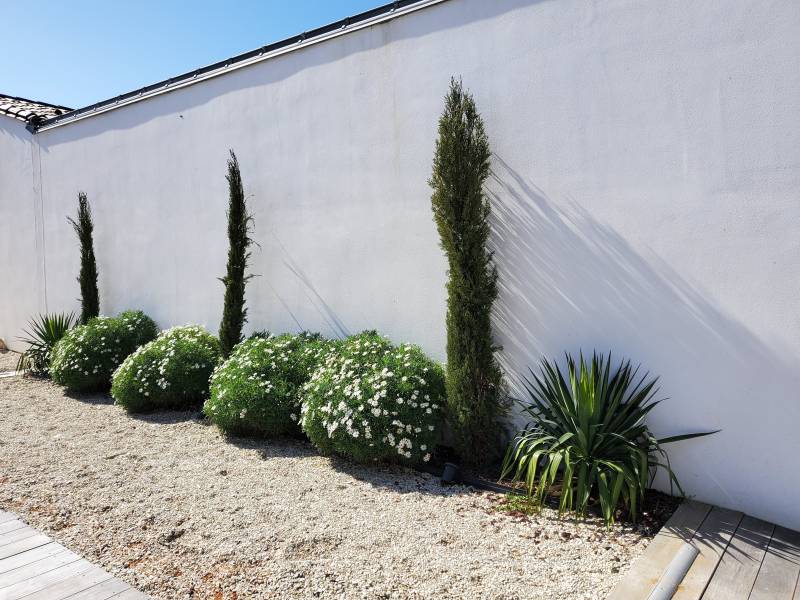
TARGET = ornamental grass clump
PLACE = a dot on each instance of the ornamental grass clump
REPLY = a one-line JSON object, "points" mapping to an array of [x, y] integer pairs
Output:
{"points": [[172, 371], [587, 433], [258, 390], [86, 357], [373, 401]]}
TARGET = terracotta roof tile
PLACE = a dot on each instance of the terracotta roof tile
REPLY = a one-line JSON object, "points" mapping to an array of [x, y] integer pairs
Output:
{"points": [[29, 111]]}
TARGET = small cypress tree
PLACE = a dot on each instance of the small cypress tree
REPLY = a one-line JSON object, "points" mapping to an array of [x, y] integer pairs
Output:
{"points": [[90, 298], [234, 314], [461, 211]]}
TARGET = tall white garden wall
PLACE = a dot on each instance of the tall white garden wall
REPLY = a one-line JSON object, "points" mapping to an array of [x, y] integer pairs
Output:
{"points": [[22, 280], [645, 195]]}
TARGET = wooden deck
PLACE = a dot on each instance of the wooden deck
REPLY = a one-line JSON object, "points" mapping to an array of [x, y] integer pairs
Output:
{"points": [[34, 567], [740, 558]]}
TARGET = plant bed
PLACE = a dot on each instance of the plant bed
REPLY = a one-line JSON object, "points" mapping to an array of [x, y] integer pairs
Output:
{"points": [[657, 509], [169, 505]]}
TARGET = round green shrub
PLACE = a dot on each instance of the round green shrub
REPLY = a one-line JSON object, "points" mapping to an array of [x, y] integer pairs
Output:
{"points": [[373, 401], [172, 371], [86, 357], [257, 391]]}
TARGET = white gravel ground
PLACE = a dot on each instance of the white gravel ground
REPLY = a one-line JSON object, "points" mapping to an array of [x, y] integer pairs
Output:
{"points": [[8, 361], [168, 505]]}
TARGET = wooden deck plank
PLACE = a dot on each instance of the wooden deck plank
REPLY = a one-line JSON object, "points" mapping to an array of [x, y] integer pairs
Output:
{"points": [[17, 535], [739, 566], [711, 539], [23, 545], [780, 570], [44, 580], [36, 568], [29, 556], [11, 526], [650, 566], [71, 586], [102, 591]]}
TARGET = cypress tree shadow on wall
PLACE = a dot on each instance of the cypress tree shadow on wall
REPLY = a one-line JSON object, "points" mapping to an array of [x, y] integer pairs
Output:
{"points": [[234, 313], [461, 211], [90, 298]]}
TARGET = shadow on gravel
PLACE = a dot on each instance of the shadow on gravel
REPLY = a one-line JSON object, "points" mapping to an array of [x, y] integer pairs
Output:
{"points": [[167, 417], [394, 478], [279, 447], [90, 397]]}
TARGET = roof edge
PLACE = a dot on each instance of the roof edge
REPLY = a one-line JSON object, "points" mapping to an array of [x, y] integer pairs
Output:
{"points": [[356, 22], [31, 112]]}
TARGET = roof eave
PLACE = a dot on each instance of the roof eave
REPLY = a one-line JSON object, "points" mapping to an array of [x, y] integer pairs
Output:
{"points": [[363, 20]]}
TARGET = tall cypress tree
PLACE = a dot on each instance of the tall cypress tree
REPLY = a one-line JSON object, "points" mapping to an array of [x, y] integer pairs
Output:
{"points": [[90, 298], [234, 314], [461, 211]]}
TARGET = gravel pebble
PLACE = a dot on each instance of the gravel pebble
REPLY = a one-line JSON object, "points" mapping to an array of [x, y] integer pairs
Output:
{"points": [[167, 504]]}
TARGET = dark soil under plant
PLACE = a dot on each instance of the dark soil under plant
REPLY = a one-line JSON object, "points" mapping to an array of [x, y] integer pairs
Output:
{"points": [[657, 506]]}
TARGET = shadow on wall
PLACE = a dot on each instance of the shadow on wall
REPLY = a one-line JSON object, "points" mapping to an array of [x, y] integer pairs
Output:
{"points": [[569, 282]]}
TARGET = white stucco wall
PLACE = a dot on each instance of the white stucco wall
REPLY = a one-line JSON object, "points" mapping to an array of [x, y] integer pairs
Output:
{"points": [[22, 291], [645, 194]]}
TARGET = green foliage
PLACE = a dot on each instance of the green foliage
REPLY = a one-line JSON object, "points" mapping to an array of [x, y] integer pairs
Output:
{"points": [[90, 298], [41, 336], [515, 504], [172, 371], [258, 390], [588, 431], [85, 358], [373, 401], [461, 211], [234, 314]]}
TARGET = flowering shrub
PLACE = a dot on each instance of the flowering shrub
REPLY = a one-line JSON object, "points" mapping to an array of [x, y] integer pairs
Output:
{"points": [[85, 358], [257, 390], [172, 371], [373, 401]]}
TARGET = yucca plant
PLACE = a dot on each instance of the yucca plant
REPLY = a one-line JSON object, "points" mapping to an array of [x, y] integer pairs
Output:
{"points": [[588, 434], [42, 334]]}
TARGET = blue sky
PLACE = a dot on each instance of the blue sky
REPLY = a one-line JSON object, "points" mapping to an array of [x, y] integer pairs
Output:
{"points": [[77, 53]]}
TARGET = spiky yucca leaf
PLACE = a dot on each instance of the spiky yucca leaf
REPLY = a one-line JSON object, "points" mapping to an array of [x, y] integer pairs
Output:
{"points": [[588, 431], [42, 334]]}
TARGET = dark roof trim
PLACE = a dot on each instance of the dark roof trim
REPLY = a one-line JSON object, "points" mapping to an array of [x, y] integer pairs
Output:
{"points": [[376, 15]]}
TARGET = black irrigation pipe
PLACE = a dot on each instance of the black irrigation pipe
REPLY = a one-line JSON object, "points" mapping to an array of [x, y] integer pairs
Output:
{"points": [[452, 475]]}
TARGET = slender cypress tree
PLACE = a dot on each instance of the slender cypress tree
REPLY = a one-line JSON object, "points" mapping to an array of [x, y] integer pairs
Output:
{"points": [[90, 298], [234, 314], [461, 211]]}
